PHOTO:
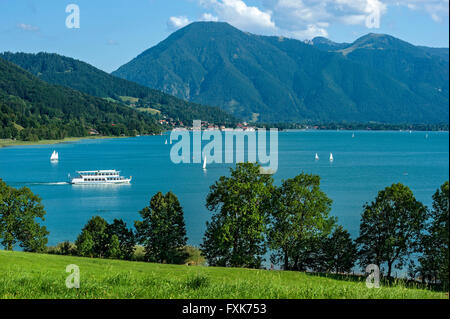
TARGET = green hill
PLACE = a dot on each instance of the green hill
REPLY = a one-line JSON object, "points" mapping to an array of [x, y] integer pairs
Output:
{"points": [[275, 79], [28, 275], [31, 109], [78, 75]]}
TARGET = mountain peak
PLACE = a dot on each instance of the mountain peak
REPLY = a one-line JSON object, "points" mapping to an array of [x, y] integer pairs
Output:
{"points": [[380, 41], [208, 27], [327, 45]]}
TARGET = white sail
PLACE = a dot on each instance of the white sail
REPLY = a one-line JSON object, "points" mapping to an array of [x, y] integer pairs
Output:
{"points": [[204, 163], [331, 157], [317, 157], [166, 142], [353, 135], [55, 156]]}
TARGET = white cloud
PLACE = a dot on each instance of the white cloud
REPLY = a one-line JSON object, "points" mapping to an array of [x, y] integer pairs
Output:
{"points": [[298, 15], [175, 23], [305, 19], [296, 18], [209, 17], [239, 14], [310, 32], [27, 27]]}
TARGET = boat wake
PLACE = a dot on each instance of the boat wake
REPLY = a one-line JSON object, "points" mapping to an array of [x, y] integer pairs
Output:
{"points": [[49, 183], [57, 183]]}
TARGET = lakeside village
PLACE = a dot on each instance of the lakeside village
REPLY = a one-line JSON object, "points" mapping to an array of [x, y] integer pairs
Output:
{"points": [[173, 124], [205, 125]]}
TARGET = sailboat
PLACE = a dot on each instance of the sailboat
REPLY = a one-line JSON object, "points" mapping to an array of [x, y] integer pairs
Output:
{"points": [[353, 135], [54, 157], [166, 142], [331, 157], [204, 163], [317, 157]]}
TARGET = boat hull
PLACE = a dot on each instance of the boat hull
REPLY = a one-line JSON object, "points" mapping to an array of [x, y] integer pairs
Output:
{"points": [[125, 181]]}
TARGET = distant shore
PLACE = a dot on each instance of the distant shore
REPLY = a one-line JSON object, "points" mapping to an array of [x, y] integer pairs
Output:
{"points": [[10, 142]]}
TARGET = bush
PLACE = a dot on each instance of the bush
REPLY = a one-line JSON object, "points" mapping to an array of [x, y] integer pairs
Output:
{"points": [[64, 248]]}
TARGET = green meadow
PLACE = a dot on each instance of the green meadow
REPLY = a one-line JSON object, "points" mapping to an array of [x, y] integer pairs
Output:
{"points": [[10, 142], [30, 275]]}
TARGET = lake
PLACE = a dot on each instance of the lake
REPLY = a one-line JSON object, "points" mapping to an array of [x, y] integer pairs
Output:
{"points": [[362, 166]]}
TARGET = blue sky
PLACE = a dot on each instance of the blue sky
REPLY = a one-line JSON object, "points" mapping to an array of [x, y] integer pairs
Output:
{"points": [[113, 32]]}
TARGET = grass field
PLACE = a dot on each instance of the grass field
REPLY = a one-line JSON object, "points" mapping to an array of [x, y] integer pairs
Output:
{"points": [[26, 275], [10, 142]]}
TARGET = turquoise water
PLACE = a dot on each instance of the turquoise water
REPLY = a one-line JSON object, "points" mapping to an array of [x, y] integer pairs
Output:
{"points": [[363, 165]]}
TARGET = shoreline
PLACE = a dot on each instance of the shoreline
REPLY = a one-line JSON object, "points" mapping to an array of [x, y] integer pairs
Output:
{"points": [[10, 142]]}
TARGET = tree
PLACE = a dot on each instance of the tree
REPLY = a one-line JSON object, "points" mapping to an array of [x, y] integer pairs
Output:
{"points": [[299, 219], [19, 209], [113, 250], [236, 234], [162, 231], [96, 230], [85, 245], [434, 244], [390, 228], [339, 251], [125, 238]]}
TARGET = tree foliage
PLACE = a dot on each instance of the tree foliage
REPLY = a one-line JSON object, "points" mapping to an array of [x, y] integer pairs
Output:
{"points": [[300, 217], [162, 230], [236, 234], [19, 211], [125, 238], [102, 240], [435, 249], [339, 251], [390, 228], [94, 231]]}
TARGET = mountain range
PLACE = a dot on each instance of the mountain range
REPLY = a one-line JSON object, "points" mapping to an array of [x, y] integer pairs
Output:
{"points": [[274, 79]]}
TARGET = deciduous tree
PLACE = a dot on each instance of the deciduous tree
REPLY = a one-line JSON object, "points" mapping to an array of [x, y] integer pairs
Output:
{"points": [[339, 251], [434, 244], [125, 237], [235, 236], [96, 230], [390, 228], [300, 217], [19, 211], [162, 231]]}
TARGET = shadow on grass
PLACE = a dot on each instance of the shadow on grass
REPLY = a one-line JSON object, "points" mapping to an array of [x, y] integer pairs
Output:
{"points": [[384, 281]]}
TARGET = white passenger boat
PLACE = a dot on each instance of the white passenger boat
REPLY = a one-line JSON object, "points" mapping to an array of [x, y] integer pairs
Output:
{"points": [[99, 177]]}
